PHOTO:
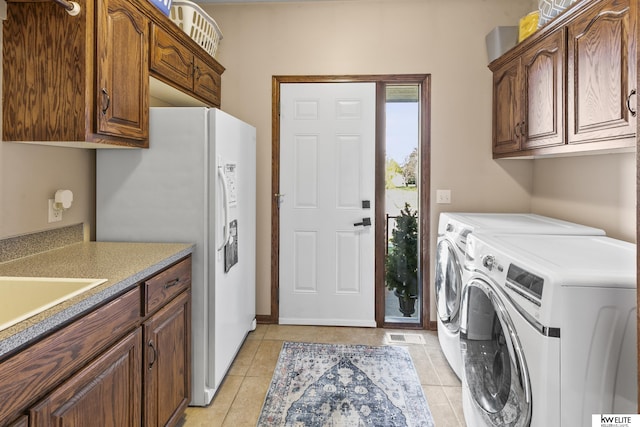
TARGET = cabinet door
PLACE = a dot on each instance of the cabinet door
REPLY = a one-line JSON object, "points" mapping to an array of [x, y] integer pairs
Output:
{"points": [[507, 123], [170, 59], [206, 83], [543, 79], [601, 72], [167, 363], [122, 92], [106, 393]]}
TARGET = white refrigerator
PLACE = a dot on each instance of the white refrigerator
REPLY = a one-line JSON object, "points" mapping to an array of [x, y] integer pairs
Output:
{"points": [[195, 183]]}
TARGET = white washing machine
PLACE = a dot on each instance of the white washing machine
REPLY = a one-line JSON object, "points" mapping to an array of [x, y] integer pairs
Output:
{"points": [[548, 330], [453, 229]]}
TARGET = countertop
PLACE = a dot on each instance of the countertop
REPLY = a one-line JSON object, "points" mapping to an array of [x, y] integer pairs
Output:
{"points": [[123, 265]]}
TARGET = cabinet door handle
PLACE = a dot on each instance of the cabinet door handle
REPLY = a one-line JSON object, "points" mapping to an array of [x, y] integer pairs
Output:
{"points": [[631, 110], [105, 95], [155, 354], [517, 130], [172, 283]]}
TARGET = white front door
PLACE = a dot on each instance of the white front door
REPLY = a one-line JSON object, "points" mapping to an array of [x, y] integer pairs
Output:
{"points": [[327, 180]]}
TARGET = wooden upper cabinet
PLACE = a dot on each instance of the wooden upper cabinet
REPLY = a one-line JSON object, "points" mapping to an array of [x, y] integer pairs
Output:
{"points": [[171, 60], [175, 64], [507, 117], [56, 67], [571, 83], [528, 102], [122, 75], [83, 81], [206, 82], [602, 73], [543, 79]]}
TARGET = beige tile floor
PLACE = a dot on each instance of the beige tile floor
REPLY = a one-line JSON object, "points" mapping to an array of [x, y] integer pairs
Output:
{"points": [[239, 399]]}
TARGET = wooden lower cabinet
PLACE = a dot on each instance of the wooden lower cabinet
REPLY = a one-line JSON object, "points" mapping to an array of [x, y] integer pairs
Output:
{"points": [[106, 393], [125, 364], [167, 361]]}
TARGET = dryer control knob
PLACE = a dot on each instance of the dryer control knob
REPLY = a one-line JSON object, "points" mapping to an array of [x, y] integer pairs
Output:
{"points": [[488, 261]]}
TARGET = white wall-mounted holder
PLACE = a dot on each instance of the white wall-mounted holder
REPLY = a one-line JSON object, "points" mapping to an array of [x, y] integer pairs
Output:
{"points": [[61, 201]]}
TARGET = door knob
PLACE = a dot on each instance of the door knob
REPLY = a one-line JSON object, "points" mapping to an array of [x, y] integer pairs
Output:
{"points": [[365, 222]]}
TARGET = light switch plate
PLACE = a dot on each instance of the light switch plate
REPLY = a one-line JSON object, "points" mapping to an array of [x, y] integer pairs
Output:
{"points": [[443, 196]]}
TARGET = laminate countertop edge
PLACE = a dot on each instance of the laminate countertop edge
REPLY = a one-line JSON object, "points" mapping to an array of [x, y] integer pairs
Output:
{"points": [[123, 264]]}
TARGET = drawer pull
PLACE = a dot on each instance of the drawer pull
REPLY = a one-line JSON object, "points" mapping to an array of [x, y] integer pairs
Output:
{"points": [[172, 283]]}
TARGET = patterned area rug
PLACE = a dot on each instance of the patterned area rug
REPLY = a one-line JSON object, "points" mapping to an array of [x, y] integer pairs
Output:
{"points": [[329, 385]]}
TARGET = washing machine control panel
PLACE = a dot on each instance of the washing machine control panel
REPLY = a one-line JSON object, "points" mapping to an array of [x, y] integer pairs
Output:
{"points": [[525, 283]]}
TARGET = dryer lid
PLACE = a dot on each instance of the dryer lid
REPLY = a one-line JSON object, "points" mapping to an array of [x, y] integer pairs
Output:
{"points": [[597, 261], [521, 223]]}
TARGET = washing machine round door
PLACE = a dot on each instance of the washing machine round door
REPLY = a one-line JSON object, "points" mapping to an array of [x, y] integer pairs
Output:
{"points": [[448, 285], [494, 367]]}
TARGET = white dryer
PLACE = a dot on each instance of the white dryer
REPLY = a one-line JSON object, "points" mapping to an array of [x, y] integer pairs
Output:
{"points": [[453, 230], [548, 330]]}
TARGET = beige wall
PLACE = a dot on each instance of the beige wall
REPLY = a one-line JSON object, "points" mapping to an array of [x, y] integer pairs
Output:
{"points": [[443, 38], [30, 175], [593, 190]]}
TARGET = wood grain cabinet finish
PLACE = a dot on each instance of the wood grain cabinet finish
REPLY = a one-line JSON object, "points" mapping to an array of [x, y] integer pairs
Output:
{"points": [[60, 86], [175, 64], [507, 97], [23, 421], [122, 364], [105, 393], [73, 80], [528, 107], [570, 87], [167, 362], [207, 81], [122, 87], [166, 285], [543, 78], [40, 367], [602, 73], [171, 61]]}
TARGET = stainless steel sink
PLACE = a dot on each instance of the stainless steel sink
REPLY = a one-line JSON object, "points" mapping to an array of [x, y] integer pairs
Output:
{"points": [[24, 297]]}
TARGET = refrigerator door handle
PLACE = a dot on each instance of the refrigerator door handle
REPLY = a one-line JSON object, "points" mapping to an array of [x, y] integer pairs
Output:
{"points": [[225, 201]]}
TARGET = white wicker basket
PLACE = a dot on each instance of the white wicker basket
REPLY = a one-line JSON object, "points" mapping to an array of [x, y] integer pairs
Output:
{"points": [[197, 24]]}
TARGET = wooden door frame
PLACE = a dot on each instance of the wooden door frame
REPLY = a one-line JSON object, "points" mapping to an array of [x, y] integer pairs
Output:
{"points": [[424, 80]]}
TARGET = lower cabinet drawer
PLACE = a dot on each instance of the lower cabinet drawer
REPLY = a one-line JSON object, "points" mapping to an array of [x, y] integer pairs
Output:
{"points": [[164, 286]]}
